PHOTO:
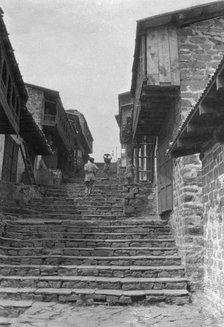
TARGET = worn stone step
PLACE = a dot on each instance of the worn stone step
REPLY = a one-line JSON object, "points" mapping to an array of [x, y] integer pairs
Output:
{"points": [[95, 218], [88, 225], [78, 206], [26, 214], [89, 229], [21, 251], [10, 240], [82, 234], [108, 193], [91, 296], [139, 260], [82, 221], [13, 309], [115, 283], [124, 223], [79, 198], [93, 270]]}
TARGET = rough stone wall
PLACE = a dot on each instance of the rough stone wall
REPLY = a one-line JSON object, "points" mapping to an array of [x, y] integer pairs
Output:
{"points": [[201, 47], [15, 196], [213, 203], [35, 104], [186, 219], [139, 200]]}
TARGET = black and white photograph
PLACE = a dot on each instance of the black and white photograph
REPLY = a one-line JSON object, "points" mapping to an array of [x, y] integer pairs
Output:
{"points": [[111, 163]]}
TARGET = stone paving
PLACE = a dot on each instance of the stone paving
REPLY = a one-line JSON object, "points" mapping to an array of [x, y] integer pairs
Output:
{"points": [[162, 315]]}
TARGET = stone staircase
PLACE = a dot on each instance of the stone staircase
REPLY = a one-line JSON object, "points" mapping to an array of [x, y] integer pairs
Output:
{"points": [[70, 248]]}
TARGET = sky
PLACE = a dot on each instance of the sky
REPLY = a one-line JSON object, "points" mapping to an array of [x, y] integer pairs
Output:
{"points": [[83, 49]]}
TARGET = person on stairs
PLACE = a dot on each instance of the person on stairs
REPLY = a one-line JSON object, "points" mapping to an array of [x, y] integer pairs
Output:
{"points": [[90, 170]]}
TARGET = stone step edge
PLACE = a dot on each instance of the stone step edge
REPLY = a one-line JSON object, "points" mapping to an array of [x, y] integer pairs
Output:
{"points": [[16, 304], [50, 214], [67, 291], [140, 257], [121, 280], [85, 233], [131, 220], [168, 240], [99, 267], [90, 248], [36, 222]]}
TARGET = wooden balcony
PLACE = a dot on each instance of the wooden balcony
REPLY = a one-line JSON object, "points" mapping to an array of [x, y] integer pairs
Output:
{"points": [[155, 103], [58, 126]]}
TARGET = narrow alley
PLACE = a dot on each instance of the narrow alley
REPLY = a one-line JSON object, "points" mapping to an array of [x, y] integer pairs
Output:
{"points": [[112, 204]]}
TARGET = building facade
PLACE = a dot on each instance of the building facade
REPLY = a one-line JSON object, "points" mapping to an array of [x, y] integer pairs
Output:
{"points": [[203, 132], [21, 140], [48, 111], [175, 55], [83, 138]]}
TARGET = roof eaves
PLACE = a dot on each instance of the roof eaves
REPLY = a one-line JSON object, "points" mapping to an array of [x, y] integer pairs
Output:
{"points": [[195, 108]]}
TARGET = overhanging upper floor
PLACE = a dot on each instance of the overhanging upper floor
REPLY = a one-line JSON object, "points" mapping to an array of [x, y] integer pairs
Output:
{"points": [[154, 104]]}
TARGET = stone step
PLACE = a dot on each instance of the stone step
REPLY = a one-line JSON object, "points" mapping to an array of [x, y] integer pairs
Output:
{"points": [[139, 260], [93, 270], [79, 198], [69, 233], [78, 206], [84, 228], [10, 240], [103, 251], [69, 216], [78, 211], [108, 193], [12, 309], [124, 223], [115, 283], [91, 296]]}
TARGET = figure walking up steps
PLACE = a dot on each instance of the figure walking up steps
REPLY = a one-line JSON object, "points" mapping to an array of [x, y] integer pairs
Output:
{"points": [[90, 170]]}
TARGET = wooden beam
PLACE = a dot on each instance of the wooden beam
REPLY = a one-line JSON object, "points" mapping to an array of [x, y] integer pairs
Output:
{"points": [[180, 152], [219, 83], [207, 109]]}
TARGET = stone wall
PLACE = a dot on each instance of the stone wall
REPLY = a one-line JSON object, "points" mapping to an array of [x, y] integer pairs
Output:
{"points": [[186, 219], [15, 196], [35, 104], [201, 47], [213, 203], [139, 200]]}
